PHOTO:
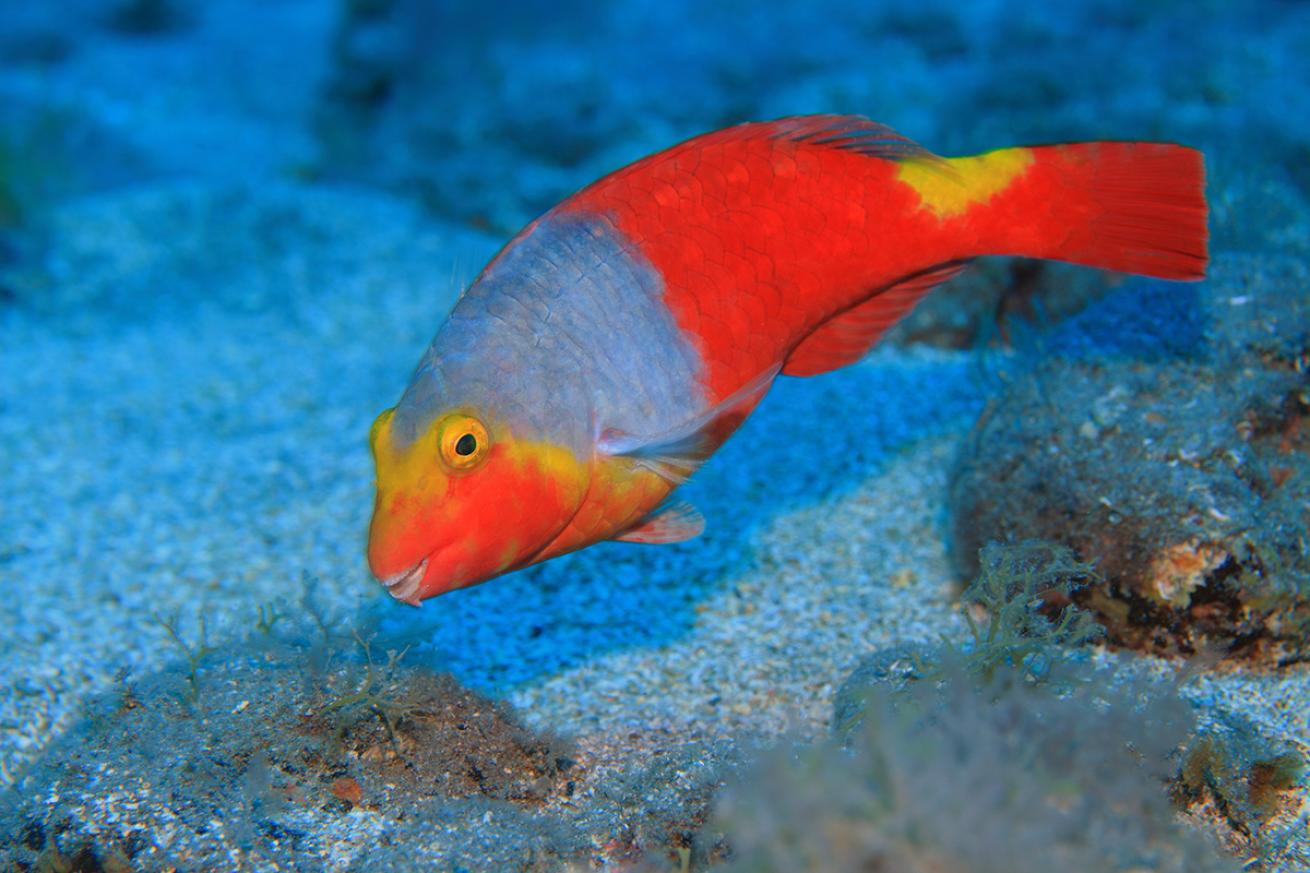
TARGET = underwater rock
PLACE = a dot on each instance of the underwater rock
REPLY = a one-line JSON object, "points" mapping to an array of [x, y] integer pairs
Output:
{"points": [[1242, 785], [438, 738], [405, 107], [51, 151], [1023, 681], [148, 17], [293, 749], [1005, 609], [371, 52], [981, 307], [39, 35], [490, 120], [1169, 446], [1003, 775], [892, 669], [250, 751], [40, 46]]}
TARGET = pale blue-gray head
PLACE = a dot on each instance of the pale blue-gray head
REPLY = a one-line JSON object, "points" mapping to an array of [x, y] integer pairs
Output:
{"points": [[564, 340]]}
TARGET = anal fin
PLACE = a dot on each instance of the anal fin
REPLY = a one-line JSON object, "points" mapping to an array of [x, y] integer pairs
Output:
{"points": [[671, 522], [848, 336]]}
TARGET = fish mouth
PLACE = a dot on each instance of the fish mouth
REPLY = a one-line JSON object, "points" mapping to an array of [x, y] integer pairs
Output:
{"points": [[404, 585]]}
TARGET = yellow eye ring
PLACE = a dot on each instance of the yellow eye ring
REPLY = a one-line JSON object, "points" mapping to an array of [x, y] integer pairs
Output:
{"points": [[463, 442]]}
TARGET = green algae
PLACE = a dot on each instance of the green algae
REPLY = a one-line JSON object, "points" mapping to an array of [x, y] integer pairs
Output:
{"points": [[1012, 589]]}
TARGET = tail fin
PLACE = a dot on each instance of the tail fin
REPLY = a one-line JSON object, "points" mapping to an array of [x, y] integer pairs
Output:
{"points": [[1134, 207]]}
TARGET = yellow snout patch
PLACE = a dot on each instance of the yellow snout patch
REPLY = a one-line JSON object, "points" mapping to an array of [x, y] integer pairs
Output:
{"points": [[411, 469], [951, 186]]}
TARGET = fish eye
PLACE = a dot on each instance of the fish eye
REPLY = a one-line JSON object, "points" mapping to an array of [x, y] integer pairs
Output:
{"points": [[462, 441]]}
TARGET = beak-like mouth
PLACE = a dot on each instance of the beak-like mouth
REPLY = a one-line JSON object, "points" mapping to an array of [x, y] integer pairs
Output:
{"points": [[404, 586]]}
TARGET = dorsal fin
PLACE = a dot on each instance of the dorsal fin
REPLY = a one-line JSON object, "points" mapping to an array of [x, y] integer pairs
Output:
{"points": [[850, 132], [848, 336], [853, 133]]}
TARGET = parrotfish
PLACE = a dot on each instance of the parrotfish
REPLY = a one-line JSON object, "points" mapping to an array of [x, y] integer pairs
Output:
{"points": [[616, 342]]}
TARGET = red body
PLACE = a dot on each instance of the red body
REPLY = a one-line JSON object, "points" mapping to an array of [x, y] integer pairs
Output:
{"points": [[761, 237]]}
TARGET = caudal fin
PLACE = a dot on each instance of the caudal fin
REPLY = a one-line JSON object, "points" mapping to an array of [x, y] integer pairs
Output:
{"points": [[1134, 207]]}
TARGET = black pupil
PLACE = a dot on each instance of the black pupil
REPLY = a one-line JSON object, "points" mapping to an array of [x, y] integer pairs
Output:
{"points": [[467, 445]]}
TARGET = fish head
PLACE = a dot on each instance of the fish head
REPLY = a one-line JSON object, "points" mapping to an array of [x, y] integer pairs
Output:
{"points": [[463, 498]]}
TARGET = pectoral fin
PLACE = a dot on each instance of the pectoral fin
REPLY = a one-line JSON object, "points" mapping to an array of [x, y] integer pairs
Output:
{"points": [[676, 453], [671, 522]]}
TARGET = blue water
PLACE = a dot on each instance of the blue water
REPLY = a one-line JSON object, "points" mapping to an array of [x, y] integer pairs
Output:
{"points": [[480, 124], [228, 230]]}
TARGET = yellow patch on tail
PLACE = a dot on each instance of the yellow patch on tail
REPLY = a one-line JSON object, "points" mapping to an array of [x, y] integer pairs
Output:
{"points": [[949, 187]]}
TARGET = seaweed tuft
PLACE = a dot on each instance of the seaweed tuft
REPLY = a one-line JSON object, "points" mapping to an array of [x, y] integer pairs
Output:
{"points": [[194, 652], [1020, 616], [1016, 587]]}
